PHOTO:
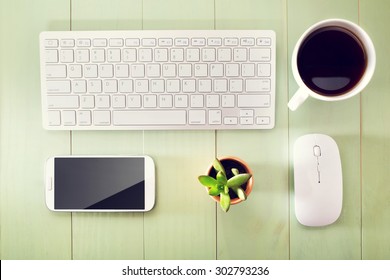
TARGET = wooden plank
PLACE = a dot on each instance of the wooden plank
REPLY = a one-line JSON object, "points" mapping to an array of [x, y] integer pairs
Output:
{"points": [[107, 235], [374, 18], [28, 229], [258, 228], [341, 121], [182, 225], [178, 14]]}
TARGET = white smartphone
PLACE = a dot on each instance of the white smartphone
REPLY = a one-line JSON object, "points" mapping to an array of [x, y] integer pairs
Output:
{"points": [[100, 183]]}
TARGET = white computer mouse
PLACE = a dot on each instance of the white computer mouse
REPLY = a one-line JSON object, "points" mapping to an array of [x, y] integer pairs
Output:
{"points": [[318, 180]]}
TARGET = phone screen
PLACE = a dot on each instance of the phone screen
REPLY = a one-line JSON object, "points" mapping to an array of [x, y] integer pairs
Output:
{"points": [[99, 183]]}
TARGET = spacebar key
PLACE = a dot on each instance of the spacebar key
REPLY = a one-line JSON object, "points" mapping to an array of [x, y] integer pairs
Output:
{"points": [[149, 118]]}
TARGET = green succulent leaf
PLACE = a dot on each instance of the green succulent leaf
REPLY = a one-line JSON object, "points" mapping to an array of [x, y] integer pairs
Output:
{"points": [[218, 166], [225, 201], [238, 180], [235, 171], [240, 193], [221, 178], [214, 190], [226, 189], [207, 181]]}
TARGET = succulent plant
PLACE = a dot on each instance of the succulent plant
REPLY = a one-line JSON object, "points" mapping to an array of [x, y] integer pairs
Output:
{"points": [[220, 185]]}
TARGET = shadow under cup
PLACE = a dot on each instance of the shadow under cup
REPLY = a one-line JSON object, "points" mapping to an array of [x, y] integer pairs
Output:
{"points": [[331, 61]]}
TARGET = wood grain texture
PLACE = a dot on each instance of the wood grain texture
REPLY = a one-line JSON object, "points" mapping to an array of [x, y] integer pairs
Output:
{"points": [[258, 228], [341, 121], [374, 18], [107, 235], [186, 223], [182, 225], [28, 229]]}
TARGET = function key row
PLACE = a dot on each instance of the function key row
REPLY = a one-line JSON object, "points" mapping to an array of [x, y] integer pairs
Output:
{"points": [[153, 42]]}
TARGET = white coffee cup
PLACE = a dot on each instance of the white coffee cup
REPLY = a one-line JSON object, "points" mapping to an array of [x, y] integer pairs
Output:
{"points": [[321, 90]]}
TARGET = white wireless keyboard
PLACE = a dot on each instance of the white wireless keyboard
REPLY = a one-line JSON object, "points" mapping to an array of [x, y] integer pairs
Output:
{"points": [[176, 79]]}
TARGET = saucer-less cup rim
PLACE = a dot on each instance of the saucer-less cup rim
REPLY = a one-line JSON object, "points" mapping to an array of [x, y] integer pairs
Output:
{"points": [[304, 92]]}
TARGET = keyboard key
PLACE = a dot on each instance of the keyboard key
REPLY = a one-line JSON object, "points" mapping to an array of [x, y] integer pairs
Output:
{"points": [[257, 85], [55, 71], [75, 71], [113, 55], [215, 117], [137, 70], [110, 86], [69, 117], [129, 55], [62, 102], [231, 41], [103, 101], [253, 100], [51, 43], [212, 101], [145, 55], [90, 70], [247, 41], [54, 118], [66, 56], [264, 69], [150, 101], [198, 41], [214, 41], [177, 55], [87, 101], [182, 42], [106, 70], [246, 120], [188, 86], [119, 101], [95, 86], [258, 54], [98, 55], [116, 42], [165, 42], [228, 101], [134, 101], [149, 117], [79, 86], [166, 101], [84, 117], [82, 56], [208, 55], [149, 42], [102, 117], [83, 42], [197, 101], [263, 120], [224, 54], [51, 56], [58, 86], [263, 41], [230, 120], [161, 55], [125, 86], [197, 117], [67, 43], [239, 54], [99, 42], [132, 42]]}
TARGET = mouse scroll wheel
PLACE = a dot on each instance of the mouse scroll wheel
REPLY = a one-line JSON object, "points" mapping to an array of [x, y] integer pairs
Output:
{"points": [[317, 151]]}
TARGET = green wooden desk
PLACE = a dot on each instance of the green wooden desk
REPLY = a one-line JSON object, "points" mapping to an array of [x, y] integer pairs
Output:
{"points": [[186, 223]]}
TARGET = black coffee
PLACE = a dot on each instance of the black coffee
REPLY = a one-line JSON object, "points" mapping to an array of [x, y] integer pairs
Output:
{"points": [[331, 61]]}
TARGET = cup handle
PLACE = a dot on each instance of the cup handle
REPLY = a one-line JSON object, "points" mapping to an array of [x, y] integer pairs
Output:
{"points": [[298, 98]]}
